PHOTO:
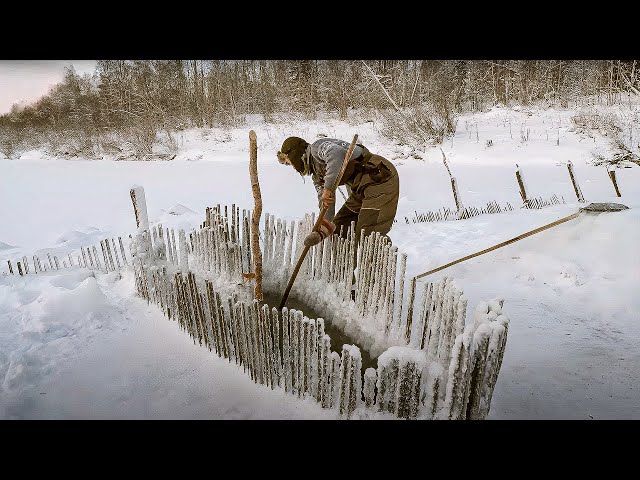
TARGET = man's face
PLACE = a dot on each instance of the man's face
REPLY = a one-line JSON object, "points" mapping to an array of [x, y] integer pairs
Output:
{"points": [[283, 158]]}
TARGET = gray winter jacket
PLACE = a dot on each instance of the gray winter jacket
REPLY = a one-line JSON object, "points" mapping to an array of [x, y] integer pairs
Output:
{"points": [[325, 157]]}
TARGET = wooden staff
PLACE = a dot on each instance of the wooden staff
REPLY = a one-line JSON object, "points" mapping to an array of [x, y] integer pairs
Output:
{"points": [[255, 218], [316, 227], [503, 244]]}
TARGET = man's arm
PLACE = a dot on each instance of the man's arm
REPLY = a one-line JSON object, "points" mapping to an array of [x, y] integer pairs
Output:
{"points": [[332, 152], [318, 183]]}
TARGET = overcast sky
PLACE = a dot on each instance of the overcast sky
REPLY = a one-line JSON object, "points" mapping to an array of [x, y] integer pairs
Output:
{"points": [[28, 80]]}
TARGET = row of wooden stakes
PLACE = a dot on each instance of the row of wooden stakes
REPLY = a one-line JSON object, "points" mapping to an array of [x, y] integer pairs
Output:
{"points": [[87, 258], [285, 349]]}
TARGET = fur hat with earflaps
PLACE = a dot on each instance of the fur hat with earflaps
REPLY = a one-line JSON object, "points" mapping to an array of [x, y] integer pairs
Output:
{"points": [[292, 152]]}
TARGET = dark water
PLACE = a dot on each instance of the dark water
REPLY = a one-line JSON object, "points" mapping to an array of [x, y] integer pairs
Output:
{"points": [[338, 337]]}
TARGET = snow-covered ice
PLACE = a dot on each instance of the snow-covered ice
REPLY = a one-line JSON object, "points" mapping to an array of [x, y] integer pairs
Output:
{"points": [[75, 345]]}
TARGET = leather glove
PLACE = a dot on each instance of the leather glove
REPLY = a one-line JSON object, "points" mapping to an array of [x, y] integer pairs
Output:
{"points": [[327, 198], [314, 238]]}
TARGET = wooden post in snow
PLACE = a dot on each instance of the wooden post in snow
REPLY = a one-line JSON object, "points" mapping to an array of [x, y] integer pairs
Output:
{"points": [[184, 258], [523, 192], [454, 184], [612, 176], [124, 257], [257, 212], [139, 207], [412, 298], [370, 377], [576, 187]]}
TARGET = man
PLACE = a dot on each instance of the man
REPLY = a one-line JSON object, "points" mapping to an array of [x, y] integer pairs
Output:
{"points": [[372, 182]]}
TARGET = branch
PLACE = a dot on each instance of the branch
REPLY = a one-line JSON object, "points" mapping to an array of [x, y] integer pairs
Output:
{"points": [[444, 159], [633, 89], [257, 212], [426, 136]]}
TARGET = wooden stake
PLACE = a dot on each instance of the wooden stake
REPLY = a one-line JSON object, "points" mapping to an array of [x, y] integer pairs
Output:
{"points": [[95, 255], [523, 192], [139, 207], [612, 176], [576, 187], [115, 253], [412, 297]]}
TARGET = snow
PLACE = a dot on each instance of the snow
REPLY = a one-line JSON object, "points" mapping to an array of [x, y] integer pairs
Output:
{"points": [[74, 345], [403, 355], [4, 246]]}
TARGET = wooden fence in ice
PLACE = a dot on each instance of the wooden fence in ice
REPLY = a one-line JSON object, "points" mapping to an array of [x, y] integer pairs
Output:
{"points": [[432, 365], [492, 207], [452, 377], [113, 258]]}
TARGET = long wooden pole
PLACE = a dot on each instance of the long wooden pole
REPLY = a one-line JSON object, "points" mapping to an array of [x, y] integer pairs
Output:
{"points": [[318, 222], [503, 244], [257, 212]]}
